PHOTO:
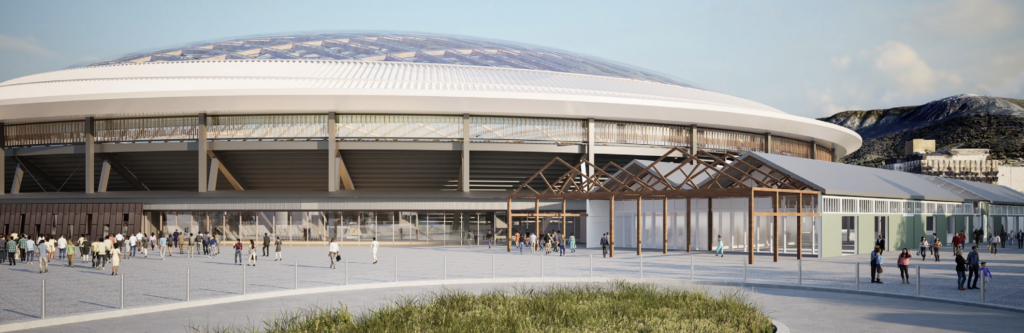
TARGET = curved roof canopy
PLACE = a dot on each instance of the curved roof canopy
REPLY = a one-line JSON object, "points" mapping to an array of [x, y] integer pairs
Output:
{"points": [[397, 47]]}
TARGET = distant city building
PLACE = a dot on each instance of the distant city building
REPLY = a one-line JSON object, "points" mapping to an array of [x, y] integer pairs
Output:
{"points": [[965, 164]]}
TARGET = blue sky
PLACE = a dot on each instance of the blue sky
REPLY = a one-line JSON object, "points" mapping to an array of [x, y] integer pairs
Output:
{"points": [[810, 58]]}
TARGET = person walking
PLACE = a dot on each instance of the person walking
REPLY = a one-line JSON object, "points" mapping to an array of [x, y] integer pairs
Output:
{"points": [[1020, 239], [277, 249], [572, 242], [986, 274], [961, 269], [152, 241], [62, 248], [162, 243], [878, 265], [902, 262], [252, 253], [874, 265], [143, 246], [955, 242], [266, 244], [190, 245], [720, 250], [51, 245], [238, 251], [604, 245], [995, 243], [12, 252], [70, 251], [23, 247], [924, 247], [1002, 236], [373, 249], [180, 243], [213, 246], [94, 248], [490, 239], [936, 249], [973, 264], [108, 246], [533, 243], [332, 252], [30, 249], [561, 245], [880, 242], [115, 255], [44, 257]]}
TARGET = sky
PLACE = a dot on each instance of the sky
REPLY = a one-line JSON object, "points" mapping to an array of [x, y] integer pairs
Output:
{"points": [[808, 58]]}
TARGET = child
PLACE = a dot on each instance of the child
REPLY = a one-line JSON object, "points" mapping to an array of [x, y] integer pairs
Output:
{"points": [[985, 273]]}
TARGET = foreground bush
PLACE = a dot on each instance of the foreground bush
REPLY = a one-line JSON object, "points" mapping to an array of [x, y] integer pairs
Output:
{"points": [[615, 307]]}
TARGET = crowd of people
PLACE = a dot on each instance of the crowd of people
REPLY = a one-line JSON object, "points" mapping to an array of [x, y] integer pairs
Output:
{"points": [[551, 241], [969, 270]]}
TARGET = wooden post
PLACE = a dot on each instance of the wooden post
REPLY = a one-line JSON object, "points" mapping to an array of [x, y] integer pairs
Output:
{"points": [[750, 229], [775, 229], [611, 226], [800, 227], [639, 222], [536, 216], [664, 225], [689, 201], [508, 217], [711, 226]]}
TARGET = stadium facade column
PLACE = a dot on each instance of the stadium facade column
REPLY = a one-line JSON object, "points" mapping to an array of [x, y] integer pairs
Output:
{"points": [[90, 156], [464, 169], [664, 225], [639, 222], [814, 150], [332, 152], [768, 143], [508, 222], [202, 146], [775, 228], [3, 161], [693, 151], [591, 135]]}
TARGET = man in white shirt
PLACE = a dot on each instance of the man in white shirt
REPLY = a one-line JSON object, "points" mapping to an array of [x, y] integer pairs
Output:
{"points": [[62, 246], [373, 249], [131, 242], [533, 242], [332, 252]]}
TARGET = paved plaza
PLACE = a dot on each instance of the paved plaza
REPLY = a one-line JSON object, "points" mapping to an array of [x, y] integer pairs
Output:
{"points": [[151, 281]]}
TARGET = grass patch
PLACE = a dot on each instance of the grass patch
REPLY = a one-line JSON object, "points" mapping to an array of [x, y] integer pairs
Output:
{"points": [[613, 307]]}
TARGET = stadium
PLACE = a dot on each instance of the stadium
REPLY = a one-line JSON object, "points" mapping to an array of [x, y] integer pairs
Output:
{"points": [[411, 138]]}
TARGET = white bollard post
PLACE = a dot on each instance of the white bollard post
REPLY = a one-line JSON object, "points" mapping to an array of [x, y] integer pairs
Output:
{"points": [[591, 265], [691, 268], [188, 284], [43, 309], [856, 279], [800, 276], [122, 291], [641, 267], [445, 267], [918, 280], [297, 275], [396, 269]]}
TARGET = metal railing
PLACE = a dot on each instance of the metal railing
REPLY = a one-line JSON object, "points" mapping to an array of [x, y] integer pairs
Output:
{"points": [[721, 140], [267, 127], [146, 129], [42, 134], [516, 129], [399, 127], [609, 132]]}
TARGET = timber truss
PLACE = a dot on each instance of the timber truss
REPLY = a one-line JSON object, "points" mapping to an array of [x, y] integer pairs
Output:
{"points": [[677, 174]]}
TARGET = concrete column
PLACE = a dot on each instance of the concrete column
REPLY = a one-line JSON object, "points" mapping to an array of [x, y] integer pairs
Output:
{"points": [[464, 170], [591, 137], [3, 161], [814, 150], [90, 156], [202, 146], [104, 177], [332, 152], [835, 158], [693, 140], [19, 174], [768, 143]]}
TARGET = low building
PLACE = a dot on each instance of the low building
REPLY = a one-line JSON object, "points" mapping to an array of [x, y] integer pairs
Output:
{"points": [[957, 163]]}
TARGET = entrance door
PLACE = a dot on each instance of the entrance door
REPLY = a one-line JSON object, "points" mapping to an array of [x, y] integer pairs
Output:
{"points": [[849, 235], [929, 227], [950, 228], [882, 229]]}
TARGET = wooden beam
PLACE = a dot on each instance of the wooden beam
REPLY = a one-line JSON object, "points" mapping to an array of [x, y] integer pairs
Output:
{"points": [[611, 226], [226, 170], [127, 175], [689, 202], [104, 177], [799, 227], [19, 175], [664, 225], [44, 179], [711, 226], [536, 217], [346, 178], [509, 226], [563, 218]]}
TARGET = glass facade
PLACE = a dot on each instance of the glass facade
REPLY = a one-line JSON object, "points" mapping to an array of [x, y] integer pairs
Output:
{"points": [[425, 228]]}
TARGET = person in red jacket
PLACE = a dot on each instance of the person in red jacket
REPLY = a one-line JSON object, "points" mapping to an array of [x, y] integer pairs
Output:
{"points": [[956, 242]]}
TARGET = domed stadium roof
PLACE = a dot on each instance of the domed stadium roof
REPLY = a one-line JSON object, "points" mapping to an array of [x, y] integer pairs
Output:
{"points": [[398, 47]]}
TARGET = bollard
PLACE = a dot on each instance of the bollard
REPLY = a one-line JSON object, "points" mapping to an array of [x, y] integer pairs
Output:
{"points": [[346, 271], [296, 275], [445, 267], [856, 279], [982, 287], [641, 267], [691, 268], [122, 291], [744, 271], [918, 280], [396, 269], [800, 274], [43, 309], [188, 284], [591, 265]]}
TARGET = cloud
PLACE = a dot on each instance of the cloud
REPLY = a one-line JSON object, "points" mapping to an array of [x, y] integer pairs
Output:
{"points": [[841, 63], [1013, 88], [906, 72], [967, 18], [22, 45]]}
